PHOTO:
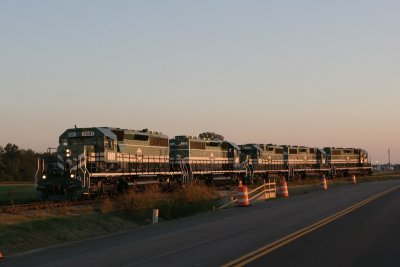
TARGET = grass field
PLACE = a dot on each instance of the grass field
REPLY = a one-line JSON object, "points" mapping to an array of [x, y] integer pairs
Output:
{"points": [[17, 194], [39, 228], [306, 186], [50, 229]]}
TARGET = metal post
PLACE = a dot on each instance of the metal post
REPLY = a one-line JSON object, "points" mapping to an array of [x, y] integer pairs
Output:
{"points": [[269, 188], [275, 187], [155, 216], [265, 191]]}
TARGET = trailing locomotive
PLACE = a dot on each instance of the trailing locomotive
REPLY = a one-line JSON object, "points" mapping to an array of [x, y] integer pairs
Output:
{"points": [[304, 160], [343, 161], [264, 160], [203, 157], [104, 160]]}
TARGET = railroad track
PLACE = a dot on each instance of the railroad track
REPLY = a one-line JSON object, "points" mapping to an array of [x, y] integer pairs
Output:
{"points": [[45, 205]]}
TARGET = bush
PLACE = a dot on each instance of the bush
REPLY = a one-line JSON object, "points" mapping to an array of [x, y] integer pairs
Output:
{"points": [[182, 202]]}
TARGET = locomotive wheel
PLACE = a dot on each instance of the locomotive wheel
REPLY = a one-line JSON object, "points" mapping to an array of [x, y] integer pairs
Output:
{"points": [[122, 186], [100, 188]]}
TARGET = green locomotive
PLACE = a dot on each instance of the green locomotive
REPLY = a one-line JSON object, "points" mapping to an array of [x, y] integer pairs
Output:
{"points": [[101, 160], [263, 156], [195, 155], [266, 159], [344, 161]]}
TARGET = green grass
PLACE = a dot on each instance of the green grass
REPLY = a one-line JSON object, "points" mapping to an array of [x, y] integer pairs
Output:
{"points": [[55, 229], [306, 186], [35, 229], [17, 194], [378, 177]]}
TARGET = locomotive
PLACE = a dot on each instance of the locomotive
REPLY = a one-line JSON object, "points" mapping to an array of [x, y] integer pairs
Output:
{"points": [[104, 160], [343, 161], [204, 159], [94, 161]]}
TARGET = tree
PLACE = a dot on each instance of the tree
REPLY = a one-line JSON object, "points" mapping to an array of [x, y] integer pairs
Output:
{"points": [[211, 136], [27, 166], [11, 152], [17, 164]]}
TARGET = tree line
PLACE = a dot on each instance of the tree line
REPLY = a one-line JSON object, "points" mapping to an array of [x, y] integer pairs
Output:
{"points": [[20, 165], [17, 165]]}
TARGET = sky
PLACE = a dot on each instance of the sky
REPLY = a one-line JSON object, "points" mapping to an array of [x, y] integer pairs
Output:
{"points": [[313, 73]]}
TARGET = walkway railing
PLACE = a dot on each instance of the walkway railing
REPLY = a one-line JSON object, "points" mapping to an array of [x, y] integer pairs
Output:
{"points": [[263, 192]]}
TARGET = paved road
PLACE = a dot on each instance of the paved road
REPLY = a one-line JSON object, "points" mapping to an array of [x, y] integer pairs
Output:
{"points": [[219, 237], [369, 236]]}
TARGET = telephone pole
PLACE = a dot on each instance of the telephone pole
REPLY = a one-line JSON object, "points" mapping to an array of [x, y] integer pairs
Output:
{"points": [[389, 156]]}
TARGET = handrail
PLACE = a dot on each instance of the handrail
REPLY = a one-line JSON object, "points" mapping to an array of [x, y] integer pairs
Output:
{"points": [[233, 200], [37, 171], [261, 186], [264, 191]]}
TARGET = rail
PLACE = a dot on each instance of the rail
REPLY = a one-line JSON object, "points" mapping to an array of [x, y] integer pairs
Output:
{"points": [[45, 205], [266, 190]]}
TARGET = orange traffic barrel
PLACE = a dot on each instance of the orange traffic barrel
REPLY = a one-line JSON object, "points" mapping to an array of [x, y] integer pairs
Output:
{"points": [[284, 189], [243, 196], [324, 184]]}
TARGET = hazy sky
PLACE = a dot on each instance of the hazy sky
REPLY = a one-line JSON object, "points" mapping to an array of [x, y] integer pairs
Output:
{"points": [[314, 73]]}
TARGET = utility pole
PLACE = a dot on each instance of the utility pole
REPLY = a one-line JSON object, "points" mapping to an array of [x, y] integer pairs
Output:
{"points": [[389, 156]]}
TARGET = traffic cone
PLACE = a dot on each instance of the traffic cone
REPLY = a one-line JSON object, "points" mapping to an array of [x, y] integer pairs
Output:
{"points": [[324, 184], [243, 196], [284, 189], [1, 256], [354, 180]]}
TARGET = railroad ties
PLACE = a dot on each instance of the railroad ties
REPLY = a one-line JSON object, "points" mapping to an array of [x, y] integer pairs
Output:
{"points": [[45, 205]]}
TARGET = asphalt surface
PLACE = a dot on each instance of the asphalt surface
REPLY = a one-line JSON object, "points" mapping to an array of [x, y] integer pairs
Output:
{"points": [[366, 236], [369, 236]]}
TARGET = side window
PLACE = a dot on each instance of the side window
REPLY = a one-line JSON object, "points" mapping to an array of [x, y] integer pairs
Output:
{"points": [[63, 142], [109, 143], [106, 143]]}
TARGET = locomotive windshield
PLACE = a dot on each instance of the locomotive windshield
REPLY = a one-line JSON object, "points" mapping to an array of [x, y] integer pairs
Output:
{"points": [[176, 144], [81, 141]]}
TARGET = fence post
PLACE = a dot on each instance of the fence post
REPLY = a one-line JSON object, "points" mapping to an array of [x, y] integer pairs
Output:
{"points": [[265, 191], [269, 188], [155, 216], [275, 187]]}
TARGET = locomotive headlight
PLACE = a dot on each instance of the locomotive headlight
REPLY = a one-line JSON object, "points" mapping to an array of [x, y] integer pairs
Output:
{"points": [[44, 176], [68, 152], [72, 175]]}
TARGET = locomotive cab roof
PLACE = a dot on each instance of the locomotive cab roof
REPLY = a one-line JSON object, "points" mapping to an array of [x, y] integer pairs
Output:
{"points": [[112, 133], [88, 132]]}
